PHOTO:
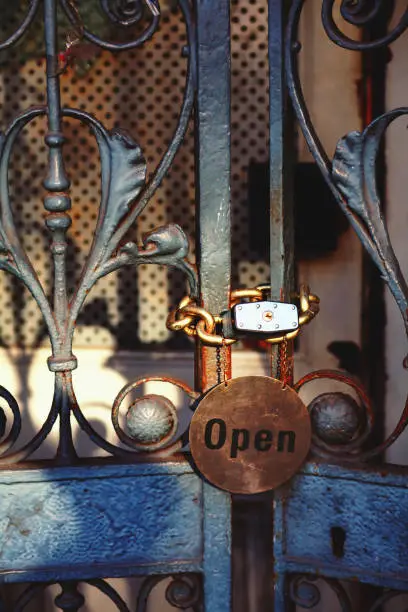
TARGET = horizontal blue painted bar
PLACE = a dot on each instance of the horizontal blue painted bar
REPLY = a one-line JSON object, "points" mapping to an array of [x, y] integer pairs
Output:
{"points": [[368, 507], [100, 520]]}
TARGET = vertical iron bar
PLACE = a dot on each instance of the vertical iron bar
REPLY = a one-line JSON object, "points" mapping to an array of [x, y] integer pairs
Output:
{"points": [[280, 601], [373, 315], [281, 207], [57, 202], [213, 166], [57, 182], [281, 200], [253, 541], [217, 550], [213, 119], [281, 212], [252, 520]]}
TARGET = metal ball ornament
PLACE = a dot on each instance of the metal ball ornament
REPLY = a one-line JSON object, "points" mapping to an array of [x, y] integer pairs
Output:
{"points": [[151, 421], [336, 417]]}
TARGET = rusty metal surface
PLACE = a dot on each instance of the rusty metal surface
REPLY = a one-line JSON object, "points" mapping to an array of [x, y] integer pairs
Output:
{"points": [[122, 311], [213, 166], [250, 435], [126, 190], [131, 524], [332, 521], [366, 505], [252, 547], [281, 153], [351, 174]]}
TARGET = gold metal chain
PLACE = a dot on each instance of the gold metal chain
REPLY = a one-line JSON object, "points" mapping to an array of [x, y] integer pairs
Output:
{"points": [[225, 361], [218, 364], [194, 320], [221, 357]]}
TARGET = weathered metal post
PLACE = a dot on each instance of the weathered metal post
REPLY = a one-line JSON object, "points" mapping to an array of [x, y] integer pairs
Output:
{"points": [[281, 192], [253, 534], [281, 202], [214, 166], [281, 189], [214, 245]]}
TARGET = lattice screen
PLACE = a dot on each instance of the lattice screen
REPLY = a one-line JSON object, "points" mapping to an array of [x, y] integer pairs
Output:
{"points": [[140, 91]]}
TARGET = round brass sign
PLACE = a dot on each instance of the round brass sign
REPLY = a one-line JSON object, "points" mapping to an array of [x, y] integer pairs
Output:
{"points": [[250, 435]]}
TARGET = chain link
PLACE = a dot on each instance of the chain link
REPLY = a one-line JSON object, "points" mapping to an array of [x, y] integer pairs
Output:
{"points": [[225, 360], [218, 363], [221, 357], [283, 360]]}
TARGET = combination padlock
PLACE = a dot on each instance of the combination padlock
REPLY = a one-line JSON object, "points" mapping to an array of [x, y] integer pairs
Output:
{"points": [[266, 318]]}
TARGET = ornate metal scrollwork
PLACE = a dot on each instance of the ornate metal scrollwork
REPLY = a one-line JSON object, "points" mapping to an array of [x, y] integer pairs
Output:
{"points": [[359, 13], [23, 27], [151, 419], [124, 13], [351, 174], [11, 438], [387, 597], [70, 598], [184, 592], [340, 425], [125, 193], [305, 593], [129, 12]]}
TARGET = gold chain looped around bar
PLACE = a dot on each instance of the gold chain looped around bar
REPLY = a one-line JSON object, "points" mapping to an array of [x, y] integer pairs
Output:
{"points": [[194, 320]]}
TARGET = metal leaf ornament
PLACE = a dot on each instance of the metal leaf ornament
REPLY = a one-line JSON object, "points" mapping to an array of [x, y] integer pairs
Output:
{"points": [[167, 245], [167, 240], [123, 176], [3, 248], [354, 174], [123, 184]]}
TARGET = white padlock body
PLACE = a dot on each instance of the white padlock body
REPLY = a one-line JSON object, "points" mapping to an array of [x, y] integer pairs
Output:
{"points": [[266, 317]]}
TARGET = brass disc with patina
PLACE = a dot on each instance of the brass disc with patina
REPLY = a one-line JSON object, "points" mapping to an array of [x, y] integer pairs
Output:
{"points": [[250, 434]]}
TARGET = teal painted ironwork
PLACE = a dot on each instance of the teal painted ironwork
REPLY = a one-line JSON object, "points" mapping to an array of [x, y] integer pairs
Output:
{"points": [[148, 514], [333, 522], [125, 193]]}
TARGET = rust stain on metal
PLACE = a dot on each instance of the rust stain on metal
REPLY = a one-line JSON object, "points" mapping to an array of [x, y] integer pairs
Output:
{"points": [[250, 434]]}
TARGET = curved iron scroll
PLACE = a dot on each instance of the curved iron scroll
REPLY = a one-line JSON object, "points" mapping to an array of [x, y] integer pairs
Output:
{"points": [[351, 173], [305, 592], [125, 193], [184, 592], [23, 27], [120, 13], [359, 13]]}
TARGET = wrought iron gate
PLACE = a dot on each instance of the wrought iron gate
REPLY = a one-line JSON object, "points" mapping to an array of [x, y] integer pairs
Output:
{"points": [[146, 513], [334, 521], [143, 511]]}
